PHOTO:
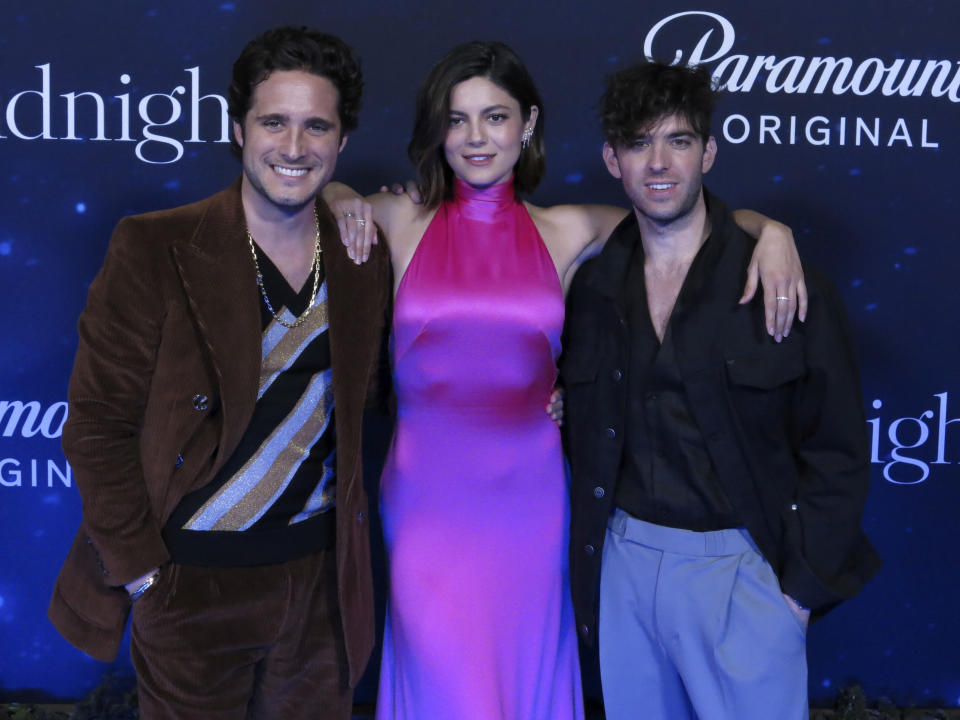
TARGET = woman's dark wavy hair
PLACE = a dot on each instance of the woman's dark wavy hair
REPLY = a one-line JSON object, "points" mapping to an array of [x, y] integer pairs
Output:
{"points": [[640, 95], [296, 48], [500, 65]]}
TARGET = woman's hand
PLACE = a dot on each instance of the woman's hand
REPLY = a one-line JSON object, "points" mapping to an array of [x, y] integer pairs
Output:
{"points": [[776, 264], [354, 216]]}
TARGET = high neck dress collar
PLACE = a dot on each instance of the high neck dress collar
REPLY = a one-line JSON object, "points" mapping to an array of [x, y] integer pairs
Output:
{"points": [[483, 203]]}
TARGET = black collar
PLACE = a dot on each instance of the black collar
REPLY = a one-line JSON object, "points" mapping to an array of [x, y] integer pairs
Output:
{"points": [[608, 271]]}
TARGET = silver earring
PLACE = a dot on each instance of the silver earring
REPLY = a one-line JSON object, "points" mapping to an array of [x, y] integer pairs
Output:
{"points": [[525, 138]]}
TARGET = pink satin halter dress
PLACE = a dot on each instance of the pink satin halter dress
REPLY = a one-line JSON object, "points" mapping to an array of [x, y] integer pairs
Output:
{"points": [[474, 499]]}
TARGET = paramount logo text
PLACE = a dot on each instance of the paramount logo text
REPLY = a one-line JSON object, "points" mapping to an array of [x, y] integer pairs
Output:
{"points": [[799, 74]]}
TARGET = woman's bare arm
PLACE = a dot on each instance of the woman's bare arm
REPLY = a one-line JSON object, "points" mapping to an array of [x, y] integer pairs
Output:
{"points": [[578, 232], [358, 217]]}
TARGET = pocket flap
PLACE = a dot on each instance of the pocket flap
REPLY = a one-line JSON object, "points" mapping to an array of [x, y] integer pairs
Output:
{"points": [[768, 369]]}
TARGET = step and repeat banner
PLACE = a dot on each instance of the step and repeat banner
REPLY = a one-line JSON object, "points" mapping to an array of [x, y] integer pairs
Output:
{"points": [[839, 119]]}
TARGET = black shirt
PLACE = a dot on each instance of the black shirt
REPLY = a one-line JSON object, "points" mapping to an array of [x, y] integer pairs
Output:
{"points": [[666, 475]]}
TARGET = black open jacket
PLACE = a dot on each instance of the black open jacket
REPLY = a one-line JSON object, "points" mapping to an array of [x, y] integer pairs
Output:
{"points": [[783, 423]]}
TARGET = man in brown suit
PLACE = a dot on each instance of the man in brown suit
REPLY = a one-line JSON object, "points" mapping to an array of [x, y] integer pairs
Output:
{"points": [[226, 353]]}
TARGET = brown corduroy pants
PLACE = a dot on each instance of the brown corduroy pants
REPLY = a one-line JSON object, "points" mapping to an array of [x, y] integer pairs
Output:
{"points": [[242, 643]]}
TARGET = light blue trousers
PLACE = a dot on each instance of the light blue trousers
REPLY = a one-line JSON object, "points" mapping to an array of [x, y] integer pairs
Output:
{"points": [[694, 625]]}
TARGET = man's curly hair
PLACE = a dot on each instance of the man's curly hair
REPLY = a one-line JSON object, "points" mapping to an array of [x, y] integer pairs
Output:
{"points": [[638, 96], [292, 48]]}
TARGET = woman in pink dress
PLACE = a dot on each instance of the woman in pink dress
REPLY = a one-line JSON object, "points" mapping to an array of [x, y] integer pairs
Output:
{"points": [[473, 497]]}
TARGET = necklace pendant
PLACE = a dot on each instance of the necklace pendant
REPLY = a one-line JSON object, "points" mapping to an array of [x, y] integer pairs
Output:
{"points": [[315, 267]]}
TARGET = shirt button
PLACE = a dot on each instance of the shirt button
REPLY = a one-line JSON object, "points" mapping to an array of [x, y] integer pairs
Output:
{"points": [[360, 516], [598, 492], [200, 402], [589, 549], [179, 461], [617, 375], [610, 433]]}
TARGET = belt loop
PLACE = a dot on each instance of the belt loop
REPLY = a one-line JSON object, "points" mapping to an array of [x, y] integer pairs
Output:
{"points": [[618, 522], [712, 544], [749, 539]]}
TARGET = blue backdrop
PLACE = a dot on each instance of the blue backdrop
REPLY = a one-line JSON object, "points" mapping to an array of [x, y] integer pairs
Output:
{"points": [[840, 119]]}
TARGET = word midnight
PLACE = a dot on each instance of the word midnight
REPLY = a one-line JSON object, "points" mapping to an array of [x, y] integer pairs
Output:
{"points": [[911, 441], [38, 114]]}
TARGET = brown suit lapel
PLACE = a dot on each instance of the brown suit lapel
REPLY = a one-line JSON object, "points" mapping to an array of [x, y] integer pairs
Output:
{"points": [[218, 278], [350, 346]]}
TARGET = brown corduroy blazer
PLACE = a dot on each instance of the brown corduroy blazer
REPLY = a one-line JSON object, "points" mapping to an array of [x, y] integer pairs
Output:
{"points": [[163, 387]]}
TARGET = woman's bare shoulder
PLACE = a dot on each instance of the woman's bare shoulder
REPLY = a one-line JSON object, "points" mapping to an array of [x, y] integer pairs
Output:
{"points": [[576, 226], [397, 214], [559, 213]]}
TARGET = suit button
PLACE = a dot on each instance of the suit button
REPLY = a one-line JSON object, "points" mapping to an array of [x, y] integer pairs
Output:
{"points": [[200, 402], [617, 375], [589, 549], [794, 507], [584, 630], [610, 433], [598, 492], [360, 516], [179, 461]]}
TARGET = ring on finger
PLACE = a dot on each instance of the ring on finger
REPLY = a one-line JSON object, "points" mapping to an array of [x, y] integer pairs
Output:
{"points": [[781, 298], [348, 214], [361, 222]]}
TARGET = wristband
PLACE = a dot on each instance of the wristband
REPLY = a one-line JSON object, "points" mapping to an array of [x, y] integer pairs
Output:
{"points": [[144, 586]]}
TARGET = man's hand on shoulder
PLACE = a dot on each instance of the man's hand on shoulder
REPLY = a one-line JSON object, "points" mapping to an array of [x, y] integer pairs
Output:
{"points": [[408, 188], [555, 406]]}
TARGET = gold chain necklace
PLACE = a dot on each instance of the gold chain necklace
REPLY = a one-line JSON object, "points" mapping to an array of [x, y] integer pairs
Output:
{"points": [[316, 276]]}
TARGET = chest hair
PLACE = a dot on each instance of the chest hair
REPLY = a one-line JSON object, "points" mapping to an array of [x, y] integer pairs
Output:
{"points": [[663, 288]]}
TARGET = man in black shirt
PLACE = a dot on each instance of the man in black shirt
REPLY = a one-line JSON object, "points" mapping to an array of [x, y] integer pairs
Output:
{"points": [[718, 475]]}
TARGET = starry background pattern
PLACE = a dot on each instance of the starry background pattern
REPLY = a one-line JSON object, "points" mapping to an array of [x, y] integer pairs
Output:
{"points": [[880, 220]]}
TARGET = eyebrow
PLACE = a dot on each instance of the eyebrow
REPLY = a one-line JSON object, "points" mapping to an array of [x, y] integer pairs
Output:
{"points": [[317, 119], [484, 111], [670, 136]]}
